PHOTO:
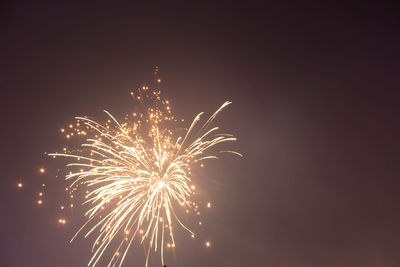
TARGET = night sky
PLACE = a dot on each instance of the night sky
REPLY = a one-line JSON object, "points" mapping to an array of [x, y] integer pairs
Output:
{"points": [[316, 104]]}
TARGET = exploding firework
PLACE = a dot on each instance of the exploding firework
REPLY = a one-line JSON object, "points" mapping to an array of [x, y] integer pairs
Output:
{"points": [[137, 174]]}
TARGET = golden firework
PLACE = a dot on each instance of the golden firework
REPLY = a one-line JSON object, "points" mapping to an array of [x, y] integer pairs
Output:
{"points": [[137, 174]]}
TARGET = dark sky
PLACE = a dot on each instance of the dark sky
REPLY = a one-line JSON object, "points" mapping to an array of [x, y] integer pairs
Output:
{"points": [[315, 91]]}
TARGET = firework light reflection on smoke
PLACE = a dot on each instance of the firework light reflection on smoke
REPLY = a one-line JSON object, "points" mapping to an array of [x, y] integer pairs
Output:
{"points": [[137, 174]]}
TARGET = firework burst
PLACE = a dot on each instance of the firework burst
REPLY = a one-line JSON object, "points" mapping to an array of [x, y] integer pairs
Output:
{"points": [[137, 174]]}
